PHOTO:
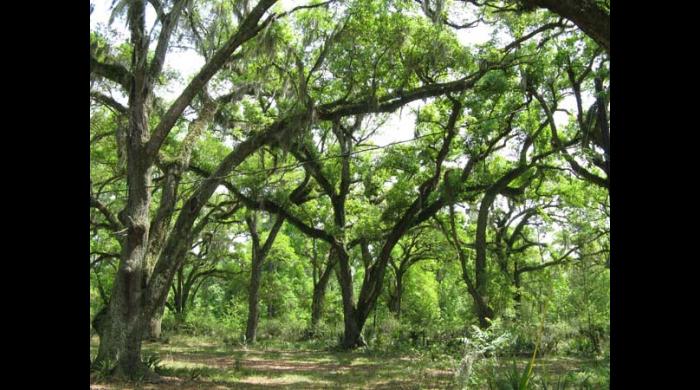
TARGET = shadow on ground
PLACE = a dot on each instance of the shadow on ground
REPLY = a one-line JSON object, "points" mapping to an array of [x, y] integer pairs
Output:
{"points": [[201, 365]]}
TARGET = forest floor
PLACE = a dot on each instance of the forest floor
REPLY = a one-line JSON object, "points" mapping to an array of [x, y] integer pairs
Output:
{"points": [[201, 363]]}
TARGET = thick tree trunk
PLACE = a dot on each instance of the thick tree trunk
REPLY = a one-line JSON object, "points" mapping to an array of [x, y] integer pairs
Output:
{"points": [[481, 308], [317, 300], [352, 337], [122, 339], [480, 290], [480, 243], [255, 277]]}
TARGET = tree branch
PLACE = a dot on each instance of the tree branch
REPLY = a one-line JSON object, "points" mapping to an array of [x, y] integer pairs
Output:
{"points": [[114, 223], [168, 24], [109, 102], [113, 72]]}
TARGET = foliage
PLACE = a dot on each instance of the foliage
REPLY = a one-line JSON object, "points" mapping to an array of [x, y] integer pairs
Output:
{"points": [[480, 350]]}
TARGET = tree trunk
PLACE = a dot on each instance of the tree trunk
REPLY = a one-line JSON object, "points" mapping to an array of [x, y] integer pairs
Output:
{"points": [[480, 290], [101, 324], [258, 258], [255, 277], [481, 307], [587, 15], [317, 299], [483, 312], [123, 337], [352, 337], [254, 298], [271, 310], [517, 296], [395, 297], [154, 324], [121, 341], [319, 294]]}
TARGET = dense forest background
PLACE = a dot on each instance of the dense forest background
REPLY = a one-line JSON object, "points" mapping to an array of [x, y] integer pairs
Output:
{"points": [[379, 178]]}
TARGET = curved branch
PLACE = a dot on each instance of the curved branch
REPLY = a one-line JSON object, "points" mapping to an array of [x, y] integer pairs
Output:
{"points": [[525, 37], [113, 72], [114, 223], [109, 102]]}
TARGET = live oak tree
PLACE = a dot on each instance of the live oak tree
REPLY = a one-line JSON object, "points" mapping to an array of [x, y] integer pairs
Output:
{"points": [[140, 288]]}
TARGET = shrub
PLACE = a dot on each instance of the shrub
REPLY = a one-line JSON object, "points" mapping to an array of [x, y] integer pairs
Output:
{"points": [[479, 353]]}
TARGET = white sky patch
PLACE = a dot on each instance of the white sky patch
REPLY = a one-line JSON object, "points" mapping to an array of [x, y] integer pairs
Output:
{"points": [[187, 63], [569, 103], [512, 149], [560, 118], [460, 162], [400, 126], [229, 141], [474, 36], [389, 183], [241, 239], [286, 5], [236, 240], [501, 202], [100, 16], [221, 190], [459, 13]]}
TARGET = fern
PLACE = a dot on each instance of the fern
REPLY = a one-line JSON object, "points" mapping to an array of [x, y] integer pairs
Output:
{"points": [[152, 361], [103, 369]]}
